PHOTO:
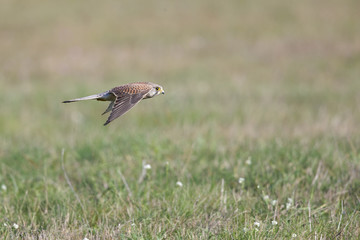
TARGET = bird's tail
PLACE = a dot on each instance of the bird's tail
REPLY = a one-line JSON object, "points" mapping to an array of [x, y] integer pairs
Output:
{"points": [[101, 97]]}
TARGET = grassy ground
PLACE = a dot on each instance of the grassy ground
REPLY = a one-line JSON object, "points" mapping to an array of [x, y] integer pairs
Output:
{"points": [[265, 91]]}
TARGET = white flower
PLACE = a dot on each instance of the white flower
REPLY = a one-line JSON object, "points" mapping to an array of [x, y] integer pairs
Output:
{"points": [[245, 229], [273, 202], [85, 238], [147, 166], [241, 180], [178, 183], [15, 226], [258, 186], [289, 203], [274, 222], [248, 161], [3, 187], [257, 224], [5, 225], [266, 197], [294, 235]]}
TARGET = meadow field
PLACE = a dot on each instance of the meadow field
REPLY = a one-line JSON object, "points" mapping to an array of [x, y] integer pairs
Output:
{"points": [[257, 136]]}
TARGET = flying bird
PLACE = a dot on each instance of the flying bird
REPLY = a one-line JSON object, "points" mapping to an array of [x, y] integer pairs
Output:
{"points": [[124, 97]]}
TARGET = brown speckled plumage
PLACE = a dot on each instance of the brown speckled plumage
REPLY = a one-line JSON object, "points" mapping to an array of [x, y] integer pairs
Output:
{"points": [[132, 88], [124, 97]]}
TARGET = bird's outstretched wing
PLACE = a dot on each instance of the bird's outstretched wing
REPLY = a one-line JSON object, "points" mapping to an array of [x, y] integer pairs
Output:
{"points": [[126, 98]]}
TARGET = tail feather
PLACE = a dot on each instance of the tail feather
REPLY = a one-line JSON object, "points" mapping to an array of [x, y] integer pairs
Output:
{"points": [[91, 97], [105, 96]]}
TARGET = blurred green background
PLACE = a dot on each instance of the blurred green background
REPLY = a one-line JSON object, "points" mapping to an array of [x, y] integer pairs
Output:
{"points": [[277, 81]]}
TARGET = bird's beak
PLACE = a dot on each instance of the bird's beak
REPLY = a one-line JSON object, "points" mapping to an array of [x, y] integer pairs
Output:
{"points": [[163, 92]]}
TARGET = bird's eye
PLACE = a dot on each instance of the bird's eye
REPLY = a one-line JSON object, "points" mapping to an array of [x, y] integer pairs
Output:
{"points": [[157, 88]]}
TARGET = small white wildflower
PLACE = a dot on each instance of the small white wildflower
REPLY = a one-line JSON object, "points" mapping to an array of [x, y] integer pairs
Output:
{"points": [[5, 225], [85, 238], [241, 180], [288, 206], [248, 161], [3, 187], [274, 202], [257, 224], [15, 226], [147, 166], [258, 186], [178, 183], [133, 224], [266, 197], [294, 235], [256, 230], [245, 229], [289, 203], [274, 222]]}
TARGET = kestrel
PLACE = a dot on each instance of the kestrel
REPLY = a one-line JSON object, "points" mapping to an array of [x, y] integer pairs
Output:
{"points": [[124, 97]]}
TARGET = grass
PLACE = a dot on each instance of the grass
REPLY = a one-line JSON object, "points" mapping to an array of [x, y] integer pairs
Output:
{"points": [[264, 91]]}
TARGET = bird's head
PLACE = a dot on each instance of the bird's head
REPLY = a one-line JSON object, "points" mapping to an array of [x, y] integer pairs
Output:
{"points": [[156, 90]]}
